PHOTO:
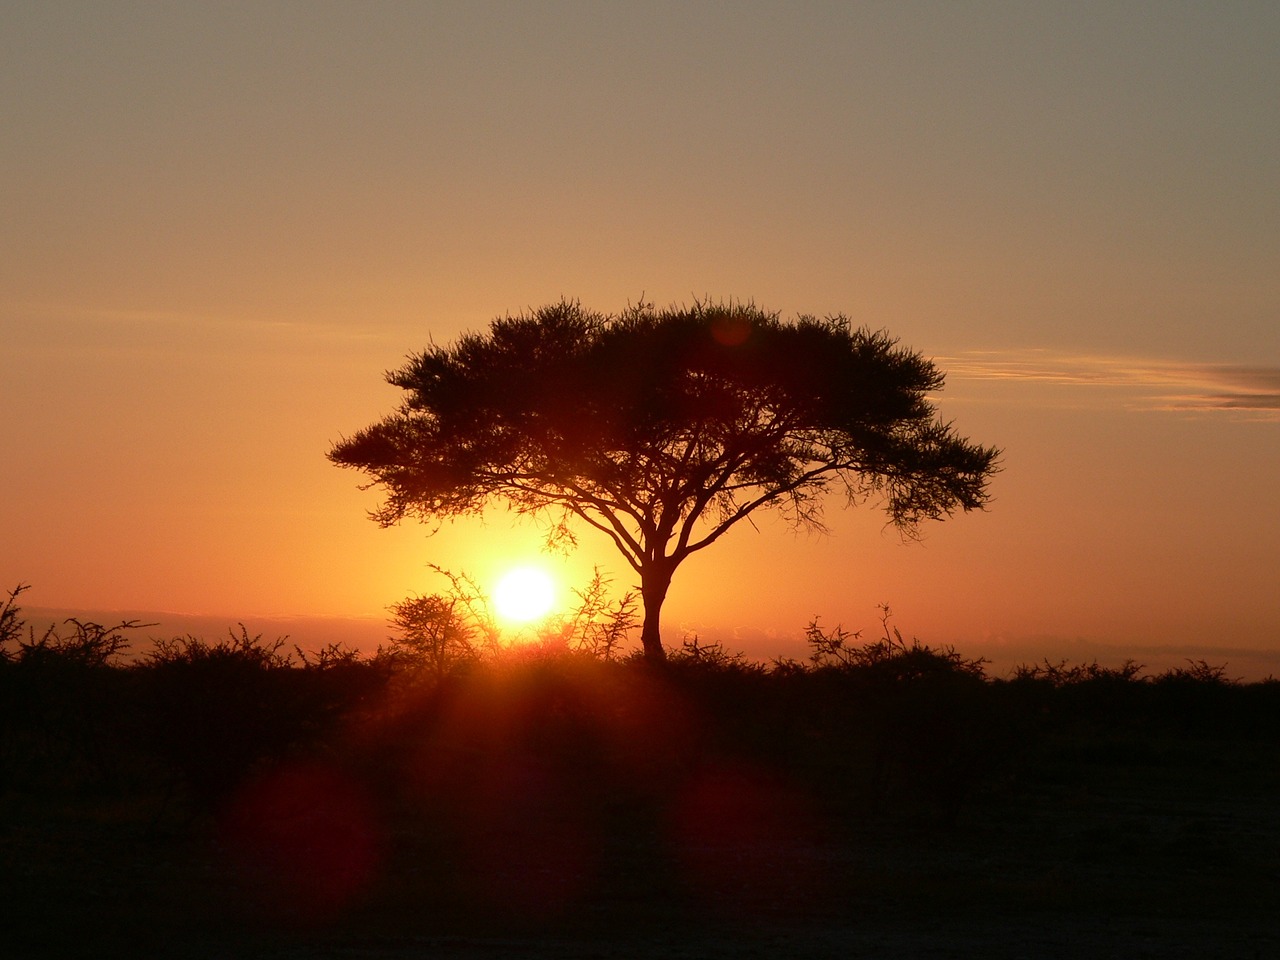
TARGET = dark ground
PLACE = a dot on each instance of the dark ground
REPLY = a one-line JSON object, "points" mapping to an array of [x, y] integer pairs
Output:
{"points": [[725, 816], [1173, 856]]}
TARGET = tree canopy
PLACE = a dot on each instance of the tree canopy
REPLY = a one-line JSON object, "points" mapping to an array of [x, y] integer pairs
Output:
{"points": [[662, 428]]}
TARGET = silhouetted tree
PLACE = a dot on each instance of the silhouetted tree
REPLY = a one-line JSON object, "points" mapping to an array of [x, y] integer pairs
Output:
{"points": [[664, 428], [431, 634]]}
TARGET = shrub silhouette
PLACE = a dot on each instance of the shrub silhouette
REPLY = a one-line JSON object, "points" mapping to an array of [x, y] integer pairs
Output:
{"points": [[63, 705], [598, 625], [213, 711], [920, 715], [11, 623]]}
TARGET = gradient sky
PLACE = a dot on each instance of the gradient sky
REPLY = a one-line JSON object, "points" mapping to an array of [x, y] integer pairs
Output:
{"points": [[223, 222]]}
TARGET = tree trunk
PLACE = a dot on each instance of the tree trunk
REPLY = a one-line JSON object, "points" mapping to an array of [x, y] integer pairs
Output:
{"points": [[654, 581]]}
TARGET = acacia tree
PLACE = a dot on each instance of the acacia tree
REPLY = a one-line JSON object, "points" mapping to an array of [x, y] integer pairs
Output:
{"points": [[431, 633], [663, 428]]}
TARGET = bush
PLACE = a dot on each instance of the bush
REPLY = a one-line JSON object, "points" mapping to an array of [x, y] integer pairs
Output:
{"points": [[211, 712], [920, 716]]}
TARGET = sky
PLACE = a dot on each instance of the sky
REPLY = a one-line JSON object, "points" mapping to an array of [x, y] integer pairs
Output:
{"points": [[224, 222]]}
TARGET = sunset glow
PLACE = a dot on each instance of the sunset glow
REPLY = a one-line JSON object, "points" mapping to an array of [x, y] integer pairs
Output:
{"points": [[224, 223]]}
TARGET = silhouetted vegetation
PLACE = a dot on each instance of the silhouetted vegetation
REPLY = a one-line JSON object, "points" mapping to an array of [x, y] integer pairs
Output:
{"points": [[662, 429], [446, 780]]}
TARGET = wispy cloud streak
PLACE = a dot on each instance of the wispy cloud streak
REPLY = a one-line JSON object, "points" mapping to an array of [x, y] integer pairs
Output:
{"points": [[148, 321], [1158, 384]]}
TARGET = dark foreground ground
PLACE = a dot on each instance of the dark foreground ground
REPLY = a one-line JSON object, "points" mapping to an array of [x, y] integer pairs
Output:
{"points": [[710, 813]]}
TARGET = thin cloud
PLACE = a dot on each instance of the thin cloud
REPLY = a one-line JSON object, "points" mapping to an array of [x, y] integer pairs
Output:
{"points": [[144, 326], [1157, 384]]}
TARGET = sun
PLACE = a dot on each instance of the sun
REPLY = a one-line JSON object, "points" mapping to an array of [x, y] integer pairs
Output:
{"points": [[524, 594]]}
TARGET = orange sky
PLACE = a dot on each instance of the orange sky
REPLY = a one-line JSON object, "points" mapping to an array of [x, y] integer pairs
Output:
{"points": [[222, 224]]}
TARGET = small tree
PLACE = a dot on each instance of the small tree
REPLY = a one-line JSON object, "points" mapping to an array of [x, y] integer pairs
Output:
{"points": [[662, 429], [431, 633]]}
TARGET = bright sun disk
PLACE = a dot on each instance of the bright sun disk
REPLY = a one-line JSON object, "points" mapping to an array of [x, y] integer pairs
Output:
{"points": [[524, 594]]}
